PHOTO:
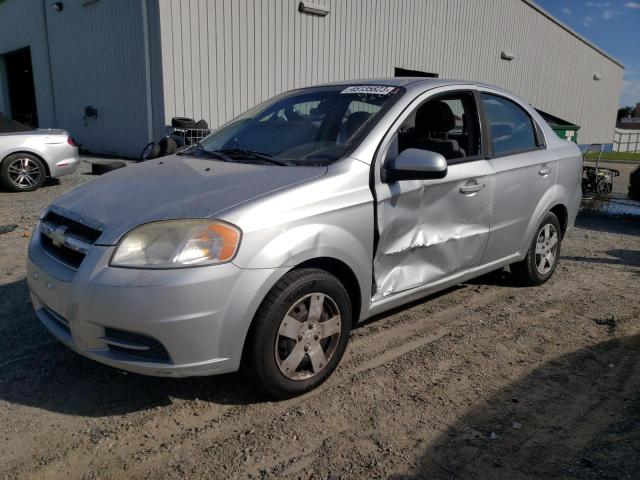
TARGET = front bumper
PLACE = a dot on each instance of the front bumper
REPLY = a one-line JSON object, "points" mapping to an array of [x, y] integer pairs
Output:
{"points": [[200, 316]]}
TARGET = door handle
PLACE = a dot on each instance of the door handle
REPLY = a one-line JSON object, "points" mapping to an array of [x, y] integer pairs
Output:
{"points": [[472, 188], [544, 170]]}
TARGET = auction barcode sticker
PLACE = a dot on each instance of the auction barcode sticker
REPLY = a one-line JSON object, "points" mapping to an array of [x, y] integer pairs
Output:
{"points": [[369, 89]]}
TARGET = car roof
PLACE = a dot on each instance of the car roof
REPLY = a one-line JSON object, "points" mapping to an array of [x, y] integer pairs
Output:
{"points": [[404, 81], [423, 83]]}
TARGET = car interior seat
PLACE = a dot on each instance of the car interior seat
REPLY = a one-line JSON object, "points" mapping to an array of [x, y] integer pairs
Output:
{"points": [[351, 125], [434, 121]]}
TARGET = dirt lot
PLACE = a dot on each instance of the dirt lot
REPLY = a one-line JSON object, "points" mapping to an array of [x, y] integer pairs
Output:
{"points": [[482, 381]]}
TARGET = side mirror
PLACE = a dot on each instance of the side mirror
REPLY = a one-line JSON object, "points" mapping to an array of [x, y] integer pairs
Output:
{"points": [[415, 164]]}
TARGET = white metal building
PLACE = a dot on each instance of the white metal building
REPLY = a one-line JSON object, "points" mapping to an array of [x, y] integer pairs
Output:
{"points": [[138, 63]]}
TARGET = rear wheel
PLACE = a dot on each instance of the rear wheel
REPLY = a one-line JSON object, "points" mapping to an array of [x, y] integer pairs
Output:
{"points": [[542, 257], [299, 334], [22, 172]]}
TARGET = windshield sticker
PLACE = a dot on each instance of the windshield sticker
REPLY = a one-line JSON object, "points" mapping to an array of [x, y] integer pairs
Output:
{"points": [[369, 89]]}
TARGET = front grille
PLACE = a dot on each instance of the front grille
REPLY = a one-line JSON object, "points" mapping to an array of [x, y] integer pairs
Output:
{"points": [[75, 228], [66, 240], [62, 253], [135, 346]]}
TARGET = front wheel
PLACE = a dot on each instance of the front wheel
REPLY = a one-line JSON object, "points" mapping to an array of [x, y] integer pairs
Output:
{"points": [[542, 256], [299, 334]]}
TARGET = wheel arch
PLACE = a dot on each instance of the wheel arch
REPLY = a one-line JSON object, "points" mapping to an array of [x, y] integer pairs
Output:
{"points": [[344, 274], [30, 152], [562, 213]]}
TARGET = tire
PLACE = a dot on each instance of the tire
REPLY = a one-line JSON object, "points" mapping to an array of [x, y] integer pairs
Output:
{"points": [[183, 122], [149, 152], [201, 124], [22, 172], [634, 178], [528, 271], [602, 189], [179, 139], [634, 193], [167, 146], [103, 166], [280, 354]]}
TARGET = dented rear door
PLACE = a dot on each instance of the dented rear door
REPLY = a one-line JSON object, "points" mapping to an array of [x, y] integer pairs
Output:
{"points": [[432, 229]]}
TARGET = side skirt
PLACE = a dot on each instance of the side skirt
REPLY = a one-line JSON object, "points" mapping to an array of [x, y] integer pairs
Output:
{"points": [[401, 298]]}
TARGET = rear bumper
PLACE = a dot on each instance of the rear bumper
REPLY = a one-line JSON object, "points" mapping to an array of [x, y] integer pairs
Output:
{"points": [[66, 162]]}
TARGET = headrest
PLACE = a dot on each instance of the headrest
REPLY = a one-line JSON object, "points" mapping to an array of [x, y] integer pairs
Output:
{"points": [[354, 122], [434, 116]]}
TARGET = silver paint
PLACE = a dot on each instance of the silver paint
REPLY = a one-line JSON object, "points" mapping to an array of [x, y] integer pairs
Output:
{"points": [[49, 145], [401, 240]]}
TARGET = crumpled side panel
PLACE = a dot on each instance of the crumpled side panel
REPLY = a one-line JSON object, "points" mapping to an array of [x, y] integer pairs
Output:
{"points": [[430, 231]]}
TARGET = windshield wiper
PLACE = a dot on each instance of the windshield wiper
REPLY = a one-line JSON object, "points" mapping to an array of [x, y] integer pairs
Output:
{"points": [[267, 157], [201, 151]]}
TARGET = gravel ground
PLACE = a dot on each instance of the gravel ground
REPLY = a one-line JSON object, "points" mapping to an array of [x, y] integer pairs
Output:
{"points": [[485, 380]]}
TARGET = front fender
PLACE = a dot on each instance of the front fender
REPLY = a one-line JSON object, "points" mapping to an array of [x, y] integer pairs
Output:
{"points": [[303, 242], [291, 247]]}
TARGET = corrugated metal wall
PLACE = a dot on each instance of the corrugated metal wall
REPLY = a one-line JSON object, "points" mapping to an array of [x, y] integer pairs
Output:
{"points": [[22, 25], [220, 57], [97, 59]]}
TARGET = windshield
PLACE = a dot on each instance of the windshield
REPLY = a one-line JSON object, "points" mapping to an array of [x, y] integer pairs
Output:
{"points": [[312, 126]]}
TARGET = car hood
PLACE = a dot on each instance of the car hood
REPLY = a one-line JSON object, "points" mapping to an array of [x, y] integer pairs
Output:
{"points": [[171, 188]]}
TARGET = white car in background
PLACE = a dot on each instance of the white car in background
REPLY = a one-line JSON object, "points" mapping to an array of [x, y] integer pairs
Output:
{"points": [[28, 155]]}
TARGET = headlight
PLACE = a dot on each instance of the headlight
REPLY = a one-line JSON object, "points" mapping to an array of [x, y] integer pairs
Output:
{"points": [[176, 244]]}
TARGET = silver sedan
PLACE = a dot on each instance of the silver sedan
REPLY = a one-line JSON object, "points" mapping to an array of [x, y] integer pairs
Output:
{"points": [[265, 243], [28, 156]]}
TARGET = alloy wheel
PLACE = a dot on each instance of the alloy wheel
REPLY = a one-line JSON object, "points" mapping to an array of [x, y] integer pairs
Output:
{"points": [[546, 249], [308, 336], [24, 172]]}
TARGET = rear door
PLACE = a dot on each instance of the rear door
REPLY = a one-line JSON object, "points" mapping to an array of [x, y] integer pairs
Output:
{"points": [[524, 172], [428, 230]]}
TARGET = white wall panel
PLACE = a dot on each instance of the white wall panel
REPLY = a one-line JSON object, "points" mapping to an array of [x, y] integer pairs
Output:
{"points": [[253, 49]]}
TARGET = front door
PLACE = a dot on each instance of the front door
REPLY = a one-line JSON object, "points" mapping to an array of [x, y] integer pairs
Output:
{"points": [[432, 229]]}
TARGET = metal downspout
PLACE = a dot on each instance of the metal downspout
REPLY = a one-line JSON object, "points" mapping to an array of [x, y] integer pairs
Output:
{"points": [[53, 91], [147, 68]]}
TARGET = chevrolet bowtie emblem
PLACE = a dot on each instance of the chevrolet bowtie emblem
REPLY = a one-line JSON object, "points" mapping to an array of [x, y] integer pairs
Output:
{"points": [[58, 236]]}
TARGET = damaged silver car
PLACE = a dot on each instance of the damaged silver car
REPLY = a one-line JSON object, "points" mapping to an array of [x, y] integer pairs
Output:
{"points": [[265, 243]]}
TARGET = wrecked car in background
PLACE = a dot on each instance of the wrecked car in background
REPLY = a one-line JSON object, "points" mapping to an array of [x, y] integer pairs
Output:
{"points": [[264, 243], [29, 155]]}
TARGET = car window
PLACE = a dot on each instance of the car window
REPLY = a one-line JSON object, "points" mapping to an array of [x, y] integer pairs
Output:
{"points": [[511, 127], [310, 126], [447, 124]]}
